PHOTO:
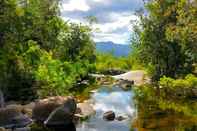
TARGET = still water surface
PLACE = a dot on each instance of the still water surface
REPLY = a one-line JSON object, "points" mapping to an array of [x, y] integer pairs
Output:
{"points": [[110, 99], [143, 109]]}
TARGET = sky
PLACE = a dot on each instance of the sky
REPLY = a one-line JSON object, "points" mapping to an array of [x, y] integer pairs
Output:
{"points": [[113, 16]]}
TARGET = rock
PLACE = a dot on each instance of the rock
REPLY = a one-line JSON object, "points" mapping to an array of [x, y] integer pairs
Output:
{"points": [[63, 115], [113, 72], [125, 84], [24, 109], [43, 108], [120, 118], [2, 129], [11, 117], [110, 116], [84, 110]]}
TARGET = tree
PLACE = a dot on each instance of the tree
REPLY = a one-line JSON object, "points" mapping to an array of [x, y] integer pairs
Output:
{"points": [[166, 37], [33, 35]]}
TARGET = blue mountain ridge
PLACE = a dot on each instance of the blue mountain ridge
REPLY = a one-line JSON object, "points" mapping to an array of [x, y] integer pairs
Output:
{"points": [[117, 49]]}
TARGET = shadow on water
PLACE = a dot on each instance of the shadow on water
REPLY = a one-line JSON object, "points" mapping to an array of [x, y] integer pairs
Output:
{"points": [[70, 127], [38, 127]]}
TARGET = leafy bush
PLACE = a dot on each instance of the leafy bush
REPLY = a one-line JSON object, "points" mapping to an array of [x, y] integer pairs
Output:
{"points": [[106, 61], [190, 81], [55, 77]]}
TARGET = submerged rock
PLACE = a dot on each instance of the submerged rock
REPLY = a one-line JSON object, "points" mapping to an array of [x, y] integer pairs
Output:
{"points": [[12, 118], [109, 116], [63, 115], [43, 108], [120, 118]]}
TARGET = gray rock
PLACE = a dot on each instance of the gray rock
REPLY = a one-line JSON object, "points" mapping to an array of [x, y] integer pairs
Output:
{"points": [[109, 116], [84, 110], [43, 108], [63, 115], [125, 84], [13, 118], [120, 118]]}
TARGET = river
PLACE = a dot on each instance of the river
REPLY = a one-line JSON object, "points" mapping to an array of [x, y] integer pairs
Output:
{"points": [[143, 109]]}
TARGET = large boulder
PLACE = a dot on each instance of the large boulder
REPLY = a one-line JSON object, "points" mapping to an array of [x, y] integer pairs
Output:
{"points": [[2, 129], [11, 117], [44, 107], [109, 116], [63, 115]]}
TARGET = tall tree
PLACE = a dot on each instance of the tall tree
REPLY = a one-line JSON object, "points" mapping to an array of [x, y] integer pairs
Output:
{"points": [[166, 37]]}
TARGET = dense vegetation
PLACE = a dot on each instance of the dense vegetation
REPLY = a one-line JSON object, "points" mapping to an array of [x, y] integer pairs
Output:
{"points": [[41, 54], [107, 61], [165, 37]]}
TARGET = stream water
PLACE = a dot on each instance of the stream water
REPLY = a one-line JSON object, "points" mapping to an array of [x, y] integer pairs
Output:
{"points": [[143, 109], [110, 99]]}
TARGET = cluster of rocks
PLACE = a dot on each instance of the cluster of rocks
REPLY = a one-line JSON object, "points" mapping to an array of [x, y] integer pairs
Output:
{"points": [[110, 116], [51, 112], [125, 84], [113, 72]]}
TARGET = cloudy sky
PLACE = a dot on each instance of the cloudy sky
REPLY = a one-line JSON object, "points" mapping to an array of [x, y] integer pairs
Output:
{"points": [[113, 16]]}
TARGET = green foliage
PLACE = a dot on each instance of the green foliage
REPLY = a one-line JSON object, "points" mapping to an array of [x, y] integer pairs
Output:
{"points": [[190, 81], [178, 88], [40, 53], [166, 37], [105, 61]]}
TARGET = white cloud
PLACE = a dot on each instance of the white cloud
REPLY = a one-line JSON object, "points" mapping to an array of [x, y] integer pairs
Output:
{"points": [[119, 21], [115, 17], [116, 38], [117, 31], [74, 5]]}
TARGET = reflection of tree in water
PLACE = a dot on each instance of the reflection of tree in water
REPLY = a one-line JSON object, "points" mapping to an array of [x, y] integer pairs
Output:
{"points": [[157, 113]]}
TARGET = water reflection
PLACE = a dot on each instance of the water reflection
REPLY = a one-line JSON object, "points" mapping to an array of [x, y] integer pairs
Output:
{"points": [[146, 109], [158, 113], [106, 99]]}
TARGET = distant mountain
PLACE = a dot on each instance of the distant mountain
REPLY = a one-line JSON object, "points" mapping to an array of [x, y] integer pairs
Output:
{"points": [[117, 49]]}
